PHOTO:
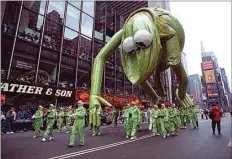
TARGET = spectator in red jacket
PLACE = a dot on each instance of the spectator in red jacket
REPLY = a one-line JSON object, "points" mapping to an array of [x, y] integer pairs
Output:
{"points": [[217, 118]]}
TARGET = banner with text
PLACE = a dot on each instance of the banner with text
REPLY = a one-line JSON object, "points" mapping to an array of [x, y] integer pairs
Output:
{"points": [[35, 90]]}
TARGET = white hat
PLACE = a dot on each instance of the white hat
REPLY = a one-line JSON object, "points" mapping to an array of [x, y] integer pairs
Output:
{"points": [[40, 106]]}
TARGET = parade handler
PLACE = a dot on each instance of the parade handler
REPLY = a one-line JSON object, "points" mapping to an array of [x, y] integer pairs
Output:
{"points": [[38, 116], [172, 118], [79, 124], [155, 120], [194, 112], [60, 119], [113, 116], [50, 122], [96, 120], [126, 120], [68, 116], [151, 40]]}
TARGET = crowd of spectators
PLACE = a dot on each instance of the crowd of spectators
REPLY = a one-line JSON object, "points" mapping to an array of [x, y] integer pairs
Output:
{"points": [[8, 29], [54, 43], [66, 84], [29, 37]]}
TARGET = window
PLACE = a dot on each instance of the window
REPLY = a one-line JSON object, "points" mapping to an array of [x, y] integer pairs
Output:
{"points": [[56, 11], [85, 48], [8, 31], [30, 26], [76, 4], [37, 6], [67, 73], [70, 42], [52, 35], [88, 7], [73, 18], [87, 25]]}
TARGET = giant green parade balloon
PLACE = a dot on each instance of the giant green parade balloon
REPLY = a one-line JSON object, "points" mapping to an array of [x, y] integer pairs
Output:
{"points": [[151, 40]]}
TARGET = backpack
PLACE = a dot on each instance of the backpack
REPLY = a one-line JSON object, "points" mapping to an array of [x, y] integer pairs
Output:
{"points": [[211, 115]]}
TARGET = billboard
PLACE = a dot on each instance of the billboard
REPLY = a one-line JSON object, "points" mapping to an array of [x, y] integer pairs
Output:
{"points": [[212, 90], [207, 65], [209, 76]]}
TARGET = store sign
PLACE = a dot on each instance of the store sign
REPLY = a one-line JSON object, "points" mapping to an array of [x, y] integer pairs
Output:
{"points": [[113, 99], [207, 65], [36, 90], [24, 65]]}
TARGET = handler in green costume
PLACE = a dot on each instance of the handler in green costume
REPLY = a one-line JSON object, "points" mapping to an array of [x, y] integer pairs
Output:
{"points": [[178, 120], [189, 116], [135, 115], [50, 123], [151, 40], [68, 116], [60, 119], [79, 124], [113, 114], [155, 120], [96, 122], [140, 119], [38, 121], [194, 112], [164, 120], [126, 123], [185, 115]]}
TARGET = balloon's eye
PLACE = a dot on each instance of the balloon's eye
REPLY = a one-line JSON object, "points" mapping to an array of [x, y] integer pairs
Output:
{"points": [[128, 45], [142, 38]]}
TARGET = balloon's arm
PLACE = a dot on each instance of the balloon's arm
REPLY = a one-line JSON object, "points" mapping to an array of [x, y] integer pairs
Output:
{"points": [[98, 66]]}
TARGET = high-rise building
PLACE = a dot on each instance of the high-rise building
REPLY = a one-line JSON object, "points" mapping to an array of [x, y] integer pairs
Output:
{"points": [[213, 80], [194, 88], [50, 46]]}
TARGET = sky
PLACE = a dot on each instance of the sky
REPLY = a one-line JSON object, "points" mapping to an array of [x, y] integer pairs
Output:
{"points": [[209, 22]]}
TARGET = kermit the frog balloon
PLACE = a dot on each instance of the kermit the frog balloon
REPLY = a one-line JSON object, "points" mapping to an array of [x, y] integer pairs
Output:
{"points": [[151, 40]]}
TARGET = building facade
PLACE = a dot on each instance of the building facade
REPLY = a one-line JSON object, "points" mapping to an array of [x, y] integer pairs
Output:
{"points": [[48, 49], [194, 88], [213, 83]]}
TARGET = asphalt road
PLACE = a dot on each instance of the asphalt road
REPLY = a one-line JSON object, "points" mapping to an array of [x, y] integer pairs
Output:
{"points": [[190, 144]]}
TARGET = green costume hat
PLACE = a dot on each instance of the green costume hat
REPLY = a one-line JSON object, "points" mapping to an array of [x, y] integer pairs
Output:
{"points": [[51, 105], [80, 103]]}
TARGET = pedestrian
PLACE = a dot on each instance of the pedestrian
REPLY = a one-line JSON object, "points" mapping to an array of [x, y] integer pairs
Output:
{"points": [[150, 118], [10, 118], [60, 119], [38, 116], [155, 120], [79, 124], [202, 114], [96, 122], [206, 114], [216, 118], [68, 115], [134, 113], [51, 113]]}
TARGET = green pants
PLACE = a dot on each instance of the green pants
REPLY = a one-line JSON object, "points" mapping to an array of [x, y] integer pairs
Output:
{"points": [[162, 127], [194, 120], [49, 129], [68, 122], [96, 130], [60, 123], [78, 126], [178, 123], [184, 120], [172, 125], [134, 123], [113, 120], [189, 119], [128, 127], [37, 125], [155, 125]]}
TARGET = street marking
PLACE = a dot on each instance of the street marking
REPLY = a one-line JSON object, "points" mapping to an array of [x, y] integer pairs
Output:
{"points": [[230, 142], [78, 153], [112, 131]]}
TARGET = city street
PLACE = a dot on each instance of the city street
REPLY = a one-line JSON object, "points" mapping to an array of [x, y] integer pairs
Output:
{"points": [[191, 143]]}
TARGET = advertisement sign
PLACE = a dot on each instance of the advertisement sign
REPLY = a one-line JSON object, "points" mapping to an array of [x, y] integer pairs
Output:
{"points": [[207, 65], [35, 90], [24, 65], [210, 76], [112, 99], [212, 89]]}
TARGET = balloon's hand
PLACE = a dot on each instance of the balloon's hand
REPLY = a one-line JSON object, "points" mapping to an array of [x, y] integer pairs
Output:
{"points": [[97, 100], [186, 101]]}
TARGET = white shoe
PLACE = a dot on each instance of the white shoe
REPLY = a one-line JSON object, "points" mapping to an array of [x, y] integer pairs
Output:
{"points": [[7, 132], [164, 136], [132, 138], [154, 134], [58, 131], [34, 137], [127, 137], [99, 134], [93, 135], [51, 138], [12, 132], [176, 134], [67, 132], [158, 134], [168, 134], [44, 139]]}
